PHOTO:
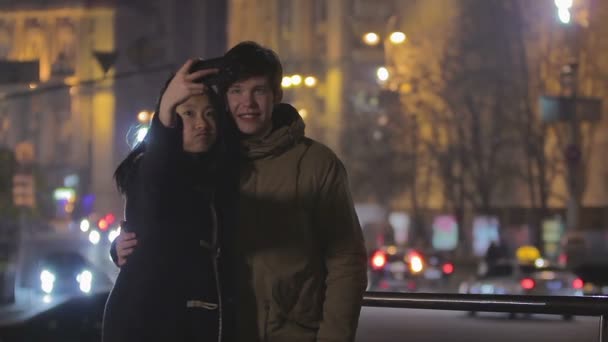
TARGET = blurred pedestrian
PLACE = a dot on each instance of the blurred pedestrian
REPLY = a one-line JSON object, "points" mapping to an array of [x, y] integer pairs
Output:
{"points": [[495, 252]]}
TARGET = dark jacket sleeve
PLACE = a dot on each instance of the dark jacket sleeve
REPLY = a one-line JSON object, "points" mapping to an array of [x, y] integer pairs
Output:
{"points": [[345, 257], [163, 145]]}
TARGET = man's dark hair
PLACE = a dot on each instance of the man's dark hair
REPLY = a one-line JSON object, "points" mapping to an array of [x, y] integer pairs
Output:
{"points": [[250, 59]]}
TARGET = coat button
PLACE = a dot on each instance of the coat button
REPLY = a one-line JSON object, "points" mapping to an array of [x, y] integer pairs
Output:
{"points": [[205, 244]]}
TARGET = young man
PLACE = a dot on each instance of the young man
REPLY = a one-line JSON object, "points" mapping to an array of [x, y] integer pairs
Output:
{"points": [[302, 265]]}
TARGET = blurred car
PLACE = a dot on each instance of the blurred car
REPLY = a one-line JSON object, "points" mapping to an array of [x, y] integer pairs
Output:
{"points": [[593, 289], [393, 268], [70, 274], [438, 268], [595, 276], [513, 278]]}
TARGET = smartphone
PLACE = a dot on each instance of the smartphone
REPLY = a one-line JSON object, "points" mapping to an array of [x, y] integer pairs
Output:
{"points": [[203, 64], [220, 78]]}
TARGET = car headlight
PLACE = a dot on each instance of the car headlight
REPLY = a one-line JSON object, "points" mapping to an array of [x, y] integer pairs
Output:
{"points": [[113, 234], [94, 237], [85, 225], [47, 281], [416, 264], [85, 280]]}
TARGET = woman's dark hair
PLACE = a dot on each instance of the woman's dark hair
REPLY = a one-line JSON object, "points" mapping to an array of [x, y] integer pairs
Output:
{"points": [[249, 59], [223, 152]]}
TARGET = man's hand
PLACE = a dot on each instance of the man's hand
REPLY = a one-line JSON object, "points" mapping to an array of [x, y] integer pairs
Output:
{"points": [[125, 244]]}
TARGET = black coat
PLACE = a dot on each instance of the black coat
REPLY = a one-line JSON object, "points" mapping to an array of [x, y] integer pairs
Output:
{"points": [[177, 283]]}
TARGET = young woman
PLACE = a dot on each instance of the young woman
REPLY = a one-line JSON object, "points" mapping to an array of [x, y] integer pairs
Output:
{"points": [[178, 185]]}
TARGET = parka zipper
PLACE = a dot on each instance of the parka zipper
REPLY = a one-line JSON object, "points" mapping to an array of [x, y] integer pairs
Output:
{"points": [[215, 258]]}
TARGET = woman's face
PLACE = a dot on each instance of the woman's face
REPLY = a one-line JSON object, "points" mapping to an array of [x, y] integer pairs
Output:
{"points": [[200, 123]]}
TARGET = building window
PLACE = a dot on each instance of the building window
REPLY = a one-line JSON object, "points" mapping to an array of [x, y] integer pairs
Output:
{"points": [[320, 11], [65, 58], [373, 8], [5, 42], [285, 25], [35, 41]]}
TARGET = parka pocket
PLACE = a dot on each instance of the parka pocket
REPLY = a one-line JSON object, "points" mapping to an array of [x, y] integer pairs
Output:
{"points": [[308, 308], [297, 299]]}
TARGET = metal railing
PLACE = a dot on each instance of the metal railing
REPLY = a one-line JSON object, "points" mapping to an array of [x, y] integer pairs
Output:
{"points": [[596, 306]]}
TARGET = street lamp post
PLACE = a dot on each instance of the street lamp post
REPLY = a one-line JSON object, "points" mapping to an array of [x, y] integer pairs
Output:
{"points": [[572, 110], [572, 152]]}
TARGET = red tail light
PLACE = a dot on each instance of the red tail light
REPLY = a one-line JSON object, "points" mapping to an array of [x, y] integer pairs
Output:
{"points": [[527, 284], [110, 218], [578, 283], [448, 268], [378, 260]]}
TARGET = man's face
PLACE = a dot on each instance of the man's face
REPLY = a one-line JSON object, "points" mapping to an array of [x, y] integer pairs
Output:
{"points": [[251, 102]]}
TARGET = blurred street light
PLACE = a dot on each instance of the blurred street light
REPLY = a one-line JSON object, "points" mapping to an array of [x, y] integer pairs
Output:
{"points": [[382, 74], [563, 10], [564, 16], [371, 39], [397, 37], [296, 80], [564, 3], [310, 81], [144, 116], [286, 82]]}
